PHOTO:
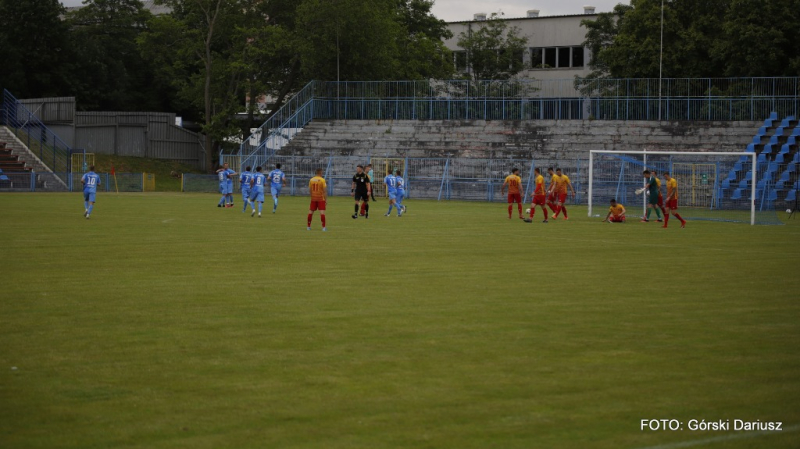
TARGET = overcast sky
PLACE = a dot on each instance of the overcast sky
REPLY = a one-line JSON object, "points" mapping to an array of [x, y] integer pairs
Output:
{"points": [[453, 10]]}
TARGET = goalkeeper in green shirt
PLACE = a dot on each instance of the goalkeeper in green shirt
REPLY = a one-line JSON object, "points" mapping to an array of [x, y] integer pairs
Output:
{"points": [[652, 195]]}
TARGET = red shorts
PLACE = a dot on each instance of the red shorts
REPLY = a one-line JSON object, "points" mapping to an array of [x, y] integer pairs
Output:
{"points": [[538, 200], [514, 198], [562, 197], [551, 197], [660, 199], [672, 204], [617, 219], [317, 205]]}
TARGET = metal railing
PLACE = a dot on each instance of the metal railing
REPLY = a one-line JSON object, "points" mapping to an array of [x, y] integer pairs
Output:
{"points": [[687, 99], [40, 140]]}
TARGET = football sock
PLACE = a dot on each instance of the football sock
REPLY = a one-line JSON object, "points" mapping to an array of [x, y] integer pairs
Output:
{"points": [[510, 208], [260, 206], [519, 208], [366, 208], [658, 213], [558, 210], [666, 220], [222, 200], [91, 206], [275, 203], [322, 216], [664, 211], [363, 208], [533, 211], [244, 206], [390, 208], [648, 213], [564, 209], [86, 205], [309, 219], [552, 207], [355, 209], [678, 216]]}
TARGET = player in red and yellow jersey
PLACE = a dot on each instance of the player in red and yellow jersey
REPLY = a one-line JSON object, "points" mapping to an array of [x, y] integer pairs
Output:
{"points": [[514, 183], [672, 201], [317, 187], [616, 213], [660, 196], [561, 191], [552, 198], [539, 195]]}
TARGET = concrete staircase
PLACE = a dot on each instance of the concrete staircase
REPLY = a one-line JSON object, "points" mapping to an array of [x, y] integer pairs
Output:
{"points": [[46, 180], [541, 139]]}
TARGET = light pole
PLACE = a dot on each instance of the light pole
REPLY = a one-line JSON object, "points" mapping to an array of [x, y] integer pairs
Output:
{"points": [[660, 60]]}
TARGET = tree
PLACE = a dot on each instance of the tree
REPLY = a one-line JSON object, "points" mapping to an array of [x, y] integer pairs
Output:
{"points": [[712, 38], [422, 52], [110, 72], [194, 47], [494, 50], [35, 48]]}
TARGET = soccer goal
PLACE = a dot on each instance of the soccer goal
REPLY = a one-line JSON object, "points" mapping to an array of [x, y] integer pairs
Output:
{"points": [[711, 185]]}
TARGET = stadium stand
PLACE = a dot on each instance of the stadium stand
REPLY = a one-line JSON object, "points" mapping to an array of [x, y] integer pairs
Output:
{"points": [[776, 145]]}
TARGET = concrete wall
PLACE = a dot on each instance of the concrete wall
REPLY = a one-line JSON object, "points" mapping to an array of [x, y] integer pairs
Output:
{"points": [[541, 139]]}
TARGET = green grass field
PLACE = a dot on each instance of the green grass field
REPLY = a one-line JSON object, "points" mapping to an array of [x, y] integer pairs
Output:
{"points": [[164, 321]]}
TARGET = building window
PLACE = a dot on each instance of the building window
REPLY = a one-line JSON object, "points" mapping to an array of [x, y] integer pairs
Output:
{"points": [[577, 56], [557, 57], [536, 58], [460, 60], [549, 58], [563, 57]]}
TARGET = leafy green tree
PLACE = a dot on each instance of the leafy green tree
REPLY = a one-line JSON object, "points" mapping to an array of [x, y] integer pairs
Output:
{"points": [[111, 73], [35, 48], [494, 49], [712, 38], [422, 52]]}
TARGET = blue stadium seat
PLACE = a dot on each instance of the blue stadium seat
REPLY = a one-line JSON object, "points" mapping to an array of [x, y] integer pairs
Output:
{"points": [[737, 194], [796, 158], [4, 178], [726, 183], [791, 195], [773, 195], [785, 149], [779, 184], [751, 148], [767, 148], [744, 183], [796, 131], [779, 158], [762, 158]]}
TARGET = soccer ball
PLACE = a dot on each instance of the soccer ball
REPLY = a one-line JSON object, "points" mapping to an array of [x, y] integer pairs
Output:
{"points": [[788, 211], [527, 211]]}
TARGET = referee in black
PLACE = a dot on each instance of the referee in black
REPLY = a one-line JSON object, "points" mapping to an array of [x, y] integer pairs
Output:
{"points": [[361, 190]]}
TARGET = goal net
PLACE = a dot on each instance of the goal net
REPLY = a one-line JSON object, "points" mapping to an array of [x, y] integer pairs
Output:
{"points": [[715, 186]]}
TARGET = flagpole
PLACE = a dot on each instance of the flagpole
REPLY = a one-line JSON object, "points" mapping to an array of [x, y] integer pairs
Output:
{"points": [[114, 174]]}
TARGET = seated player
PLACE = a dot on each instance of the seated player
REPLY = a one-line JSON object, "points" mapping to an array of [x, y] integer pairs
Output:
{"points": [[616, 213]]}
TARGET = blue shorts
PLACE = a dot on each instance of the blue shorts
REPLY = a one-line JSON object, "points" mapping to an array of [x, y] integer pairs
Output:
{"points": [[275, 191], [245, 194], [257, 196], [89, 196], [400, 195], [223, 188], [230, 188], [392, 195]]}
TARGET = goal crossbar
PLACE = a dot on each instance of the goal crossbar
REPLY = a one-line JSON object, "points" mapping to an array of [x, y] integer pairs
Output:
{"points": [[752, 156]]}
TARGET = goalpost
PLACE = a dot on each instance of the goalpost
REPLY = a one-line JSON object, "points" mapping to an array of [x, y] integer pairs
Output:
{"points": [[716, 186]]}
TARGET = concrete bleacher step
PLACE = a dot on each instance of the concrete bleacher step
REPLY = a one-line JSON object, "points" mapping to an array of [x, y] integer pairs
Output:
{"points": [[15, 147]]}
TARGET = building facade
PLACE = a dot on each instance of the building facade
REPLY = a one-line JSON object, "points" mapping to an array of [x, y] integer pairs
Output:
{"points": [[555, 48]]}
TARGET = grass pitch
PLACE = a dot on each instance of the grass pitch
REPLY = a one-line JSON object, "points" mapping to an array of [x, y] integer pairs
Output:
{"points": [[165, 322]]}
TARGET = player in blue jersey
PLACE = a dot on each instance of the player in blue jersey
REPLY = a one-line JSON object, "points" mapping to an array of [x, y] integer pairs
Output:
{"points": [[257, 191], [223, 175], [391, 190], [231, 174], [90, 182], [277, 181], [244, 183], [401, 192]]}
